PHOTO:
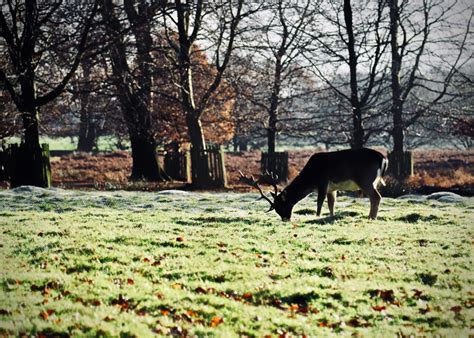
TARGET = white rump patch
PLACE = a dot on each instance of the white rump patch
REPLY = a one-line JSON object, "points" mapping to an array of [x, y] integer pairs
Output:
{"points": [[378, 179]]}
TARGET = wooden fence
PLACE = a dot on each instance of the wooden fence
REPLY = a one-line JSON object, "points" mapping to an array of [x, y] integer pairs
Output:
{"points": [[22, 165], [401, 168], [277, 163], [3, 164], [178, 165], [214, 164], [210, 169]]}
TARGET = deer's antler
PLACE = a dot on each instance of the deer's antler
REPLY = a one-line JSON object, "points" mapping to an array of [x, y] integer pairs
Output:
{"points": [[270, 178], [249, 180]]}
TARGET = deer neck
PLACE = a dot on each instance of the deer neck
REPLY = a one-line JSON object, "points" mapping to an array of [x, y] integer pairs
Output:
{"points": [[298, 189]]}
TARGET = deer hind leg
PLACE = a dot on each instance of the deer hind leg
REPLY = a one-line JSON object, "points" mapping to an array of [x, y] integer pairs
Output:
{"points": [[374, 197], [331, 201], [322, 191]]}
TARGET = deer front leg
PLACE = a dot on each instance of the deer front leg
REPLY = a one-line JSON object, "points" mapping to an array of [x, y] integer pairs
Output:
{"points": [[331, 201], [322, 191]]}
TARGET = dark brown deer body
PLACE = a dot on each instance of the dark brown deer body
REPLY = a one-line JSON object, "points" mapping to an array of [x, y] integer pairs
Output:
{"points": [[326, 173]]}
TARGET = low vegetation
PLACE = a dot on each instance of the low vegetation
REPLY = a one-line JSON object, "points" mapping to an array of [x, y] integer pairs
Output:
{"points": [[445, 169], [179, 263]]}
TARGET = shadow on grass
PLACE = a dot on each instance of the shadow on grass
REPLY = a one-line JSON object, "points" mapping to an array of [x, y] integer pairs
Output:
{"points": [[331, 219], [416, 217], [214, 220], [303, 300]]}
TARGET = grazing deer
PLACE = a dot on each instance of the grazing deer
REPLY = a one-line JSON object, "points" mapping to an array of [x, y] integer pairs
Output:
{"points": [[326, 173]]}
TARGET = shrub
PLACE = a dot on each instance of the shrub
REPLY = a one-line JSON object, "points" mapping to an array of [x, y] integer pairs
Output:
{"points": [[395, 188]]}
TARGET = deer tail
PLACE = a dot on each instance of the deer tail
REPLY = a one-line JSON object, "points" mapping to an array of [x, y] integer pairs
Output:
{"points": [[383, 170]]}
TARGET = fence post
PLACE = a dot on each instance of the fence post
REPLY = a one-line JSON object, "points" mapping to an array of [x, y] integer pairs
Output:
{"points": [[214, 171], [29, 166], [401, 167], [222, 166], [178, 163], [46, 164], [3, 164], [276, 163]]}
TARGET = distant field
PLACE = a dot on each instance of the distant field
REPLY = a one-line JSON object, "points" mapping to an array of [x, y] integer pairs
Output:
{"points": [[203, 264], [105, 143]]}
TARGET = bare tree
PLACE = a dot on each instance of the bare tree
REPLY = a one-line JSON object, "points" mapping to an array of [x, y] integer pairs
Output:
{"points": [[183, 25], [276, 77], [133, 80], [418, 31], [31, 37], [348, 55]]}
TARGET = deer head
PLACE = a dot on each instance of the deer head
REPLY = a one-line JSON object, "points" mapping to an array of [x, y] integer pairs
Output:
{"points": [[280, 203]]}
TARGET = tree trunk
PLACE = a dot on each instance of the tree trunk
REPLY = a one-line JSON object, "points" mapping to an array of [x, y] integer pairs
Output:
{"points": [[134, 101], [199, 165], [145, 163], [397, 102], [271, 137], [273, 111], [357, 140], [243, 144], [29, 164], [87, 128], [87, 133]]}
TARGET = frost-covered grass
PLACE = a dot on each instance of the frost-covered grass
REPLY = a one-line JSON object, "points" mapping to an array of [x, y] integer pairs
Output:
{"points": [[134, 263]]}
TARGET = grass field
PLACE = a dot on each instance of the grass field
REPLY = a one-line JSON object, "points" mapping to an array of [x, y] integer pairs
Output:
{"points": [[104, 143], [203, 264]]}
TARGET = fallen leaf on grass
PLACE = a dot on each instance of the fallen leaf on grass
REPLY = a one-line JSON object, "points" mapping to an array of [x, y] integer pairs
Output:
{"points": [[469, 303], [191, 313], [216, 321], [247, 295], [387, 296], [130, 281], [294, 307], [178, 331], [46, 313], [379, 308], [456, 309], [108, 319], [200, 289], [356, 322], [96, 302], [425, 310], [177, 286], [141, 312], [124, 303], [180, 239]]}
